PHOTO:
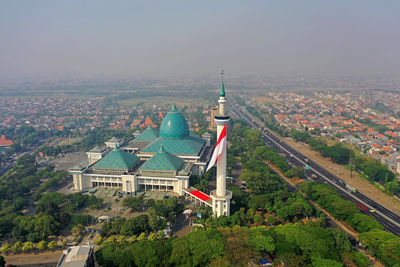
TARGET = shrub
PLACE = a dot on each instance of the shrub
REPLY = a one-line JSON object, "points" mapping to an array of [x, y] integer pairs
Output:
{"points": [[41, 245], [52, 245], [28, 246], [6, 248], [17, 246]]}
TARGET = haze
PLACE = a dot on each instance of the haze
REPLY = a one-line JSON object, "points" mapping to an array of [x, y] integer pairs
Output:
{"points": [[178, 38]]}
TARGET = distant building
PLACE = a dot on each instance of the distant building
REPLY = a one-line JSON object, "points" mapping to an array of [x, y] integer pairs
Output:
{"points": [[113, 142], [95, 154], [214, 112], [4, 142], [77, 256]]}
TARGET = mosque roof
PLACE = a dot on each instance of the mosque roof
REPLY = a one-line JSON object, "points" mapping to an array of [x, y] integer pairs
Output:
{"points": [[163, 161], [174, 125], [175, 136], [148, 135], [190, 145], [117, 159]]}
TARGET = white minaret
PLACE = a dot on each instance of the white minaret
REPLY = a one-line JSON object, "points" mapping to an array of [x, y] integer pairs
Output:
{"points": [[221, 197]]}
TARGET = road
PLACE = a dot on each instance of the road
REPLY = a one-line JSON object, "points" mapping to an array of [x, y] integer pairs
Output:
{"points": [[389, 219]]}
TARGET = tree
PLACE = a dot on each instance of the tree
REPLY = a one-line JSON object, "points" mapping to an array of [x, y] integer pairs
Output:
{"points": [[106, 229], [134, 203], [135, 225], [197, 248], [393, 187], [258, 219], [375, 238], [262, 242], [49, 202], [153, 218], [321, 262], [116, 225], [342, 242], [363, 223], [295, 172], [237, 249], [271, 219], [357, 258], [83, 219], [46, 225], [389, 252]]}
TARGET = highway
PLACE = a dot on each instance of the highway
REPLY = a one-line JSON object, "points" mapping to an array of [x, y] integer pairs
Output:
{"points": [[389, 219]]}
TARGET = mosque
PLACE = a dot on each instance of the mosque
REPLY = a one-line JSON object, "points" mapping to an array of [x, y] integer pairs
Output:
{"points": [[161, 160]]}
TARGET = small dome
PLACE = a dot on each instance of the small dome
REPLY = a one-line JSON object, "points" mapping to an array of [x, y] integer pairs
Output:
{"points": [[174, 125]]}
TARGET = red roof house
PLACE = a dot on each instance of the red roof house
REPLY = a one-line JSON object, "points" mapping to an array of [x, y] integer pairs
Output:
{"points": [[4, 141]]}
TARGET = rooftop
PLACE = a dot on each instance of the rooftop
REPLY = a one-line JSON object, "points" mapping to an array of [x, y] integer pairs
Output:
{"points": [[163, 160], [190, 145], [75, 256], [117, 159], [174, 125], [97, 149], [148, 135]]}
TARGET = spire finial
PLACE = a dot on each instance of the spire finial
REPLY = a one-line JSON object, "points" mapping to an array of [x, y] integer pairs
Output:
{"points": [[174, 109], [162, 150], [116, 146], [222, 92]]}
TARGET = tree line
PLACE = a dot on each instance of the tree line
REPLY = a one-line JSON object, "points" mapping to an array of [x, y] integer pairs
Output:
{"points": [[53, 211], [371, 169], [291, 244], [385, 246]]}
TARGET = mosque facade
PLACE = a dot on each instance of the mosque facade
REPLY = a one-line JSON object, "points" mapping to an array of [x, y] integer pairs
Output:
{"points": [[161, 159]]}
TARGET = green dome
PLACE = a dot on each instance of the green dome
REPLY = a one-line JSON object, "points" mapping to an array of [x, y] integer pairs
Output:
{"points": [[174, 125]]}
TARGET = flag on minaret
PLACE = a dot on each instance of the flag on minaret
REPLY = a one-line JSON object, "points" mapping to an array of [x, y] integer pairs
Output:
{"points": [[219, 148]]}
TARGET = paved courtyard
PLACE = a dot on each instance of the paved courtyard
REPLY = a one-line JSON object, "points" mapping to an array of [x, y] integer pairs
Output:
{"points": [[105, 193]]}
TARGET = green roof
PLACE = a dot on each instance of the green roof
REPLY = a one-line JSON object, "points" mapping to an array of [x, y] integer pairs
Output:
{"points": [[222, 92], [148, 135], [163, 161], [173, 108], [190, 145], [174, 125], [113, 139], [117, 159]]}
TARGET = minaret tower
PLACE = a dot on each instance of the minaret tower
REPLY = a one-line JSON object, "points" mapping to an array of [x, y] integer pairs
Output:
{"points": [[221, 197]]}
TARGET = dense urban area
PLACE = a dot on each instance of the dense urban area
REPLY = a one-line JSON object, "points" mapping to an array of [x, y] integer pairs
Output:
{"points": [[280, 213]]}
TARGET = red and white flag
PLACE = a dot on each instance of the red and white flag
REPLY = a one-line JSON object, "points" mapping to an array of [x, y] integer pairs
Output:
{"points": [[219, 148]]}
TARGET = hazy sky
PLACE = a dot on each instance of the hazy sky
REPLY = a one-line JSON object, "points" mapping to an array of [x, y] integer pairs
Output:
{"points": [[181, 38]]}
